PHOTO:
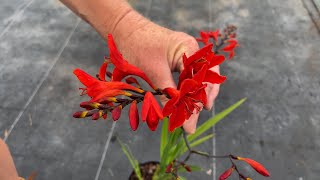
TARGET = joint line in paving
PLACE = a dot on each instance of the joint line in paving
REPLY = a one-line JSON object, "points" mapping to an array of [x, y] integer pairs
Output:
{"points": [[214, 168], [20, 11], [105, 151], [114, 123], [44, 77]]}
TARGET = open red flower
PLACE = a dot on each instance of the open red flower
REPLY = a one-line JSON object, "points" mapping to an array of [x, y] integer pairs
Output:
{"points": [[151, 111], [205, 36], [183, 102], [233, 43], [122, 67], [255, 165], [194, 63], [100, 89]]}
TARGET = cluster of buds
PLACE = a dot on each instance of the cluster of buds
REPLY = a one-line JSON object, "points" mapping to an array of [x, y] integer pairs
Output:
{"points": [[110, 92], [254, 164]]}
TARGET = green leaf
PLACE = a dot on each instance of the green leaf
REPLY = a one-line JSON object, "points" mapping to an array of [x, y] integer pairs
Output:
{"points": [[167, 155], [164, 135], [192, 167], [134, 163], [212, 121]]}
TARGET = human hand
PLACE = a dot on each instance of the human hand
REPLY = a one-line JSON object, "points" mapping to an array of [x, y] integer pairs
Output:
{"points": [[7, 168], [158, 52]]}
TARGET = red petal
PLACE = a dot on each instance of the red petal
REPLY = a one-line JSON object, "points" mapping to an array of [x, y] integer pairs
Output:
{"points": [[214, 77], [231, 55], [116, 112], [102, 71], [169, 107], [226, 174], [232, 44], [198, 55], [123, 66], [215, 35], [177, 118], [256, 166], [187, 86], [134, 116], [215, 60], [200, 75], [84, 77]]}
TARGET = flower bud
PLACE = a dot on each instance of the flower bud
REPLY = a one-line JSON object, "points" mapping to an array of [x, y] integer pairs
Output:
{"points": [[226, 174], [256, 166], [134, 115], [169, 168], [116, 112]]}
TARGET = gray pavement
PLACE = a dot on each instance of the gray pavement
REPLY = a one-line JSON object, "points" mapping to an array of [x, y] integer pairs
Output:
{"points": [[277, 67]]}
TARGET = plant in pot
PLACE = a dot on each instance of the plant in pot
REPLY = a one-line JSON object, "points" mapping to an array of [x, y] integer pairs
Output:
{"points": [[112, 91]]}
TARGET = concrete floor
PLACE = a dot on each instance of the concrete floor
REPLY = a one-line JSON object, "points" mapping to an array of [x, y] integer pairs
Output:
{"points": [[277, 67]]}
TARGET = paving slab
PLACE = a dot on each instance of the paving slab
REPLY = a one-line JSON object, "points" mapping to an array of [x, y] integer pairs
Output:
{"points": [[55, 145], [277, 68], [28, 49]]}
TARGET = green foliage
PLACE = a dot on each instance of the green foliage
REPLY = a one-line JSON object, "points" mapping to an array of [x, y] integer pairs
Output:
{"points": [[173, 146], [134, 163], [176, 146]]}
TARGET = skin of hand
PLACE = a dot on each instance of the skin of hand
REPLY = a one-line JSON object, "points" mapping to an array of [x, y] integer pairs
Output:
{"points": [[154, 49], [7, 168]]}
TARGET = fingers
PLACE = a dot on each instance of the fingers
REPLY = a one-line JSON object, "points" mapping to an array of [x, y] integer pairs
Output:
{"points": [[212, 90], [190, 125], [7, 170]]}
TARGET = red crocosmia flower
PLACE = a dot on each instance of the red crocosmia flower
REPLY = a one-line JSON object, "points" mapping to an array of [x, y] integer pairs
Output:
{"points": [[151, 111], [195, 63], [215, 35], [233, 43], [183, 102], [204, 37], [100, 89], [226, 174], [134, 115], [255, 165], [122, 67]]}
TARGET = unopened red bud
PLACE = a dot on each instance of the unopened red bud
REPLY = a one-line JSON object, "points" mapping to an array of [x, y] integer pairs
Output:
{"points": [[134, 116], [89, 105], [187, 168], [80, 114], [169, 168], [96, 115], [105, 115], [226, 174], [256, 166], [116, 112], [132, 80], [107, 100]]}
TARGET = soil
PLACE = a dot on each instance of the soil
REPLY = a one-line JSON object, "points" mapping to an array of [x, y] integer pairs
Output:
{"points": [[147, 170]]}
